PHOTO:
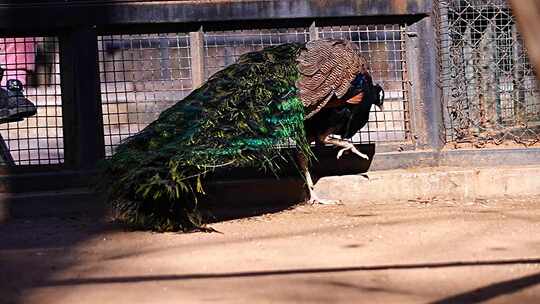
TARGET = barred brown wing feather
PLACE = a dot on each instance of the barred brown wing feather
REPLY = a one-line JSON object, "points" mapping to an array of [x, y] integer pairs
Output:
{"points": [[350, 71], [310, 61], [326, 68]]}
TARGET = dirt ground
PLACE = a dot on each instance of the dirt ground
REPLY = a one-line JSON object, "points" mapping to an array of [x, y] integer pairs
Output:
{"points": [[437, 251]]}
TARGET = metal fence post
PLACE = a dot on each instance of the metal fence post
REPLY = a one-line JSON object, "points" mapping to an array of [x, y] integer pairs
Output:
{"points": [[81, 99], [196, 42]]}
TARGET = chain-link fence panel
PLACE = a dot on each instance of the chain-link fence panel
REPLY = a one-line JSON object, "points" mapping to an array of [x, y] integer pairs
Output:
{"points": [[490, 92]]}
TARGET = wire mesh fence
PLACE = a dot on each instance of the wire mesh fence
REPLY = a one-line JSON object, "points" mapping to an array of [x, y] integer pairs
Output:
{"points": [[141, 75], [37, 139], [490, 92], [222, 48], [382, 45], [384, 48]]}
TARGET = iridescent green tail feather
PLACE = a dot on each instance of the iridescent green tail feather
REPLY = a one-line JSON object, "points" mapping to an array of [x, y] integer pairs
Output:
{"points": [[235, 119]]}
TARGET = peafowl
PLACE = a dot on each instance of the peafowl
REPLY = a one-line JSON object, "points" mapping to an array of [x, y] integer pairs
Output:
{"points": [[236, 118], [344, 117]]}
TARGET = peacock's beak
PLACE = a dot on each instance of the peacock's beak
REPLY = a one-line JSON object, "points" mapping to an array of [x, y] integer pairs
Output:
{"points": [[380, 97]]}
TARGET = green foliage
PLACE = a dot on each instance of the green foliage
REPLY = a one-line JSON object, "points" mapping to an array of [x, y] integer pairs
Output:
{"points": [[234, 120]]}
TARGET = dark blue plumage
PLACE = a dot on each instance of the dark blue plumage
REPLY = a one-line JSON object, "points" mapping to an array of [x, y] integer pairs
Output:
{"points": [[346, 119]]}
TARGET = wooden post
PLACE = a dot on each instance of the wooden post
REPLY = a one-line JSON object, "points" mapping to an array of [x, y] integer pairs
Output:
{"points": [[425, 95], [81, 99], [313, 31], [197, 57]]}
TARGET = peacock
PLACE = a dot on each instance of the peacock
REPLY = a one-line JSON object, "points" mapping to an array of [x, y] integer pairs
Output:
{"points": [[292, 93]]}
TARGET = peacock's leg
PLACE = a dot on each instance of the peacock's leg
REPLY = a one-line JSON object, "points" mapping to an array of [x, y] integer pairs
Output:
{"points": [[313, 197], [345, 145]]}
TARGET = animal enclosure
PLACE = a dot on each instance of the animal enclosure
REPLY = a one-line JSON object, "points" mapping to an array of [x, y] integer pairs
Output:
{"points": [[455, 73]]}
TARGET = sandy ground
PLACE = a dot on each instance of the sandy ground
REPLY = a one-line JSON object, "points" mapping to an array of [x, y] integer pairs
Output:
{"points": [[396, 252]]}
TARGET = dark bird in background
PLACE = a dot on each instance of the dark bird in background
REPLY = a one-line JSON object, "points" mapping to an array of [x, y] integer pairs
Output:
{"points": [[13, 107], [288, 93], [13, 104]]}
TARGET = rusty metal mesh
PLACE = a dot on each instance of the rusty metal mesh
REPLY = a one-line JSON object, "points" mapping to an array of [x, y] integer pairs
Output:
{"points": [[490, 92]]}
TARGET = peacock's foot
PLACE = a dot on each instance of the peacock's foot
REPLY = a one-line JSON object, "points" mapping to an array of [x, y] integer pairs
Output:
{"points": [[315, 200], [353, 150], [322, 201]]}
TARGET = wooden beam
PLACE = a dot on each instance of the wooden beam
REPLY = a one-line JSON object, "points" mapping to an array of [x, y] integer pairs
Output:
{"points": [[197, 57]]}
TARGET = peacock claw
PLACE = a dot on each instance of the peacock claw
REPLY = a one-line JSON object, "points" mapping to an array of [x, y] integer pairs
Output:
{"points": [[315, 200], [353, 150], [321, 201]]}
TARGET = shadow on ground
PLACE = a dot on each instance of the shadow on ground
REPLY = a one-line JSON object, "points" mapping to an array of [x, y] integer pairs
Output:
{"points": [[494, 289], [477, 295], [32, 250]]}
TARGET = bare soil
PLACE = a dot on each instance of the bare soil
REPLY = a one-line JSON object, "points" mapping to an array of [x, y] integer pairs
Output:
{"points": [[421, 251]]}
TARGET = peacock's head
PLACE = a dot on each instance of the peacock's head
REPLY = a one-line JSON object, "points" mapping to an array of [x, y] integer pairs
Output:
{"points": [[373, 93]]}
